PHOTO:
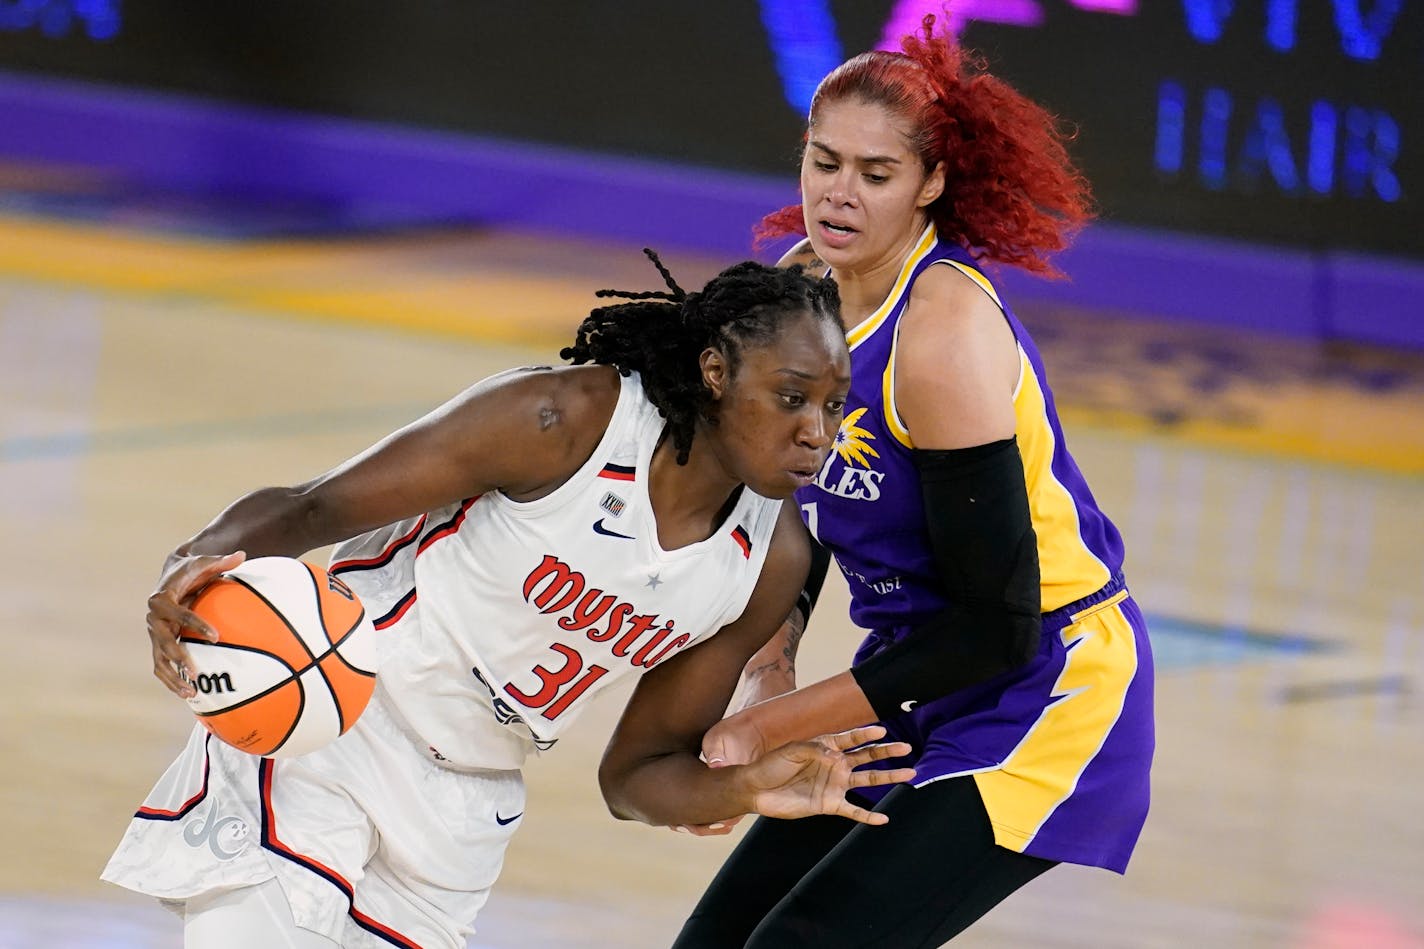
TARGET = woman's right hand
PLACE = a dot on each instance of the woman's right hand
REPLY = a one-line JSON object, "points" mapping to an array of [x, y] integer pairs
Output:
{"points": [[169, 615], [805, 778]]}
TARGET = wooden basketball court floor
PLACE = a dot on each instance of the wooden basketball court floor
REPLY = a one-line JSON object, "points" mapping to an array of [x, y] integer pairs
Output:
{"points": [[1271, 495]]}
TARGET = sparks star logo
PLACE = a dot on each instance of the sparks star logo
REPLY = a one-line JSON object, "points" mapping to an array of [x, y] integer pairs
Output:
{"points": [[852, 442], [849, 470]]}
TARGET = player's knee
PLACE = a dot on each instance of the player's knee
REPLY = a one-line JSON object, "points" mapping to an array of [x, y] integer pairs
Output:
{"points": [[793, 925], [713, 931]]}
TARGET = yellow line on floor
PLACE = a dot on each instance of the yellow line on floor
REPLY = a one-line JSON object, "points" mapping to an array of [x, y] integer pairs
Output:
{"points": [[402, 283], [331, 281]]}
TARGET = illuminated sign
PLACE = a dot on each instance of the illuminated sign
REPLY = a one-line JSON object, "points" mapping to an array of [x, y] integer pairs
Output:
{"points": [[1209, 134], [1295, 122], [93, 19]]}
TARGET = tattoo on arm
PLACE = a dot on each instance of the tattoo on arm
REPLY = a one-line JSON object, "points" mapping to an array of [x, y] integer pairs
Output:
{"points": [[785, 663], [796, 627], [765, 667]]}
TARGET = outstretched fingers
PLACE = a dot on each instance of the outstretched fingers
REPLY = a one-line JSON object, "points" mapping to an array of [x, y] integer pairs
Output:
{"points": [[870, 779], [862, 815], [875, 777], [846, 740], [856, 748], [878, 752]]}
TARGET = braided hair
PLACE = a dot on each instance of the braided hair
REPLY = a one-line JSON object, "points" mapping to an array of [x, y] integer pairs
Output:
{"points": [[661, 334]]}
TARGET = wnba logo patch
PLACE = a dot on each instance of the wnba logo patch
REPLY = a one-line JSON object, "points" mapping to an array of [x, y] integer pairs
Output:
{"points": [[613, 504]]}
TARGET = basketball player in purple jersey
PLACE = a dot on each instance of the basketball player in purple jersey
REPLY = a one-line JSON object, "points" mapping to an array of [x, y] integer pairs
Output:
{"points": [[1004, 645], [545, 533]]}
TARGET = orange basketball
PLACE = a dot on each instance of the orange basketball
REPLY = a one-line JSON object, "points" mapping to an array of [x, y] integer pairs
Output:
{"points": [[295, 660]]}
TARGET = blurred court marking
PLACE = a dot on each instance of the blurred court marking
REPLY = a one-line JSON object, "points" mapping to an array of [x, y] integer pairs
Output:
{"points": [[130, 414]]}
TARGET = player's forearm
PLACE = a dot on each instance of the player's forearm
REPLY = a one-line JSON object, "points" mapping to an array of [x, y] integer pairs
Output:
{"points": [[832, 705], [772, 670], [267, 522], [676, 789]]}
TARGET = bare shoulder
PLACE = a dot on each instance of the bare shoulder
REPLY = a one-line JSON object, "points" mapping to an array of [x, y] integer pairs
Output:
{"points": [[553, 416], [946, 303], [581, 397], [804, 256], [790, 543], [956, 363], [573, 401], [782, 575]]}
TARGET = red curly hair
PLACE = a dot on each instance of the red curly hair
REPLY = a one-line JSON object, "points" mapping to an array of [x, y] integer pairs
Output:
{"points": [[1012, 194]]}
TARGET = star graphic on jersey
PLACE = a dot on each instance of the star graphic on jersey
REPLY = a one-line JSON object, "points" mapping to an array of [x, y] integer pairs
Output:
{"points": [[852, 441], [653, 581]]}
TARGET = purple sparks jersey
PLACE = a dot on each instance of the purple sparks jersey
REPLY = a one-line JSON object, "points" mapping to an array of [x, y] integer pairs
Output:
{"points": [[1060, 749]]}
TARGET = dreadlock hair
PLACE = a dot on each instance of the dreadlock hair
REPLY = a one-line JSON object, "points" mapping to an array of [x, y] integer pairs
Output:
{"points": [[661, 334]]}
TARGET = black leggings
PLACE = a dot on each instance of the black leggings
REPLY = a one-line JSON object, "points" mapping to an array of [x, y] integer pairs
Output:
{"points": [[828, 882]]}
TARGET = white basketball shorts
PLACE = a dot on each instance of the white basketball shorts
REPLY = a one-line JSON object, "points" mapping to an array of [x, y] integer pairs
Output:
{"points": [[373, 843]]}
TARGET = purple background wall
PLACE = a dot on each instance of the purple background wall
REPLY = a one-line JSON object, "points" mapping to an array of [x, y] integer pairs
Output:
{"points": [[159, 141]]}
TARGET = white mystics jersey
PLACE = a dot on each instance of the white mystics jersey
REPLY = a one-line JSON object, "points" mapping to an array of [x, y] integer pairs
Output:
{"points": [[498, 620]]}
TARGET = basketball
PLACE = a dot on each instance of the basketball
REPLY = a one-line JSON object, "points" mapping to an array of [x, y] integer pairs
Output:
{"points": [[295, 660]]}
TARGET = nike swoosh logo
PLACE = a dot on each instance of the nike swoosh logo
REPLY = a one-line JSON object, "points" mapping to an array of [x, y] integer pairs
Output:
{"points": [[598, 528], [908, 705], [506, 820]]}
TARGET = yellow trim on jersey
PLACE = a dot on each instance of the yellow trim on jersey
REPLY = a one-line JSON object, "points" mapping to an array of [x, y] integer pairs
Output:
{"points": [[1043, 771], [1069, 569], [860, 333], [893, 423], [977, 277]]}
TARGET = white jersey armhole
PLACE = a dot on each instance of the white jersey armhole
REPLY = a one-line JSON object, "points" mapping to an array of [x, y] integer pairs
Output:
{"points": [[763, 513]]}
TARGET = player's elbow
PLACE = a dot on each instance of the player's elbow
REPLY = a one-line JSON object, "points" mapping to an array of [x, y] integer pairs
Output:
{"points": [[308, 513], [613, 783]]}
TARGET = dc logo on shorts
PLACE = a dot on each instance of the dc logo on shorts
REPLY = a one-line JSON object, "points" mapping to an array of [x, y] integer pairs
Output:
{"points": [[613, 504], [226, 837]]}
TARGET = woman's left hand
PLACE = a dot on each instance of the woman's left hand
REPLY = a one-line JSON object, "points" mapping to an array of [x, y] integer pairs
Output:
{"points": [[719, 829], [734, 740]]}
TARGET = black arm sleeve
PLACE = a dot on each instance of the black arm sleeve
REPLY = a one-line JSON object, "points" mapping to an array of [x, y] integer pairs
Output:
{"points": [[811, 591], [986, 554]]}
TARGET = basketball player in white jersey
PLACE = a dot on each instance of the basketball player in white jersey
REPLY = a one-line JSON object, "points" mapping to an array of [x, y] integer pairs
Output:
{"points": [[519, 549]]}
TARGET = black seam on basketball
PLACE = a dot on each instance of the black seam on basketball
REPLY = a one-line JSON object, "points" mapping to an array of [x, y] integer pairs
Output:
{"points": [[297, 718], [278, 613], [321, 621], [355, 623], [251, 698], [336, 646], [320, 610], [336, 649], [222, 645], [347, 663]]}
